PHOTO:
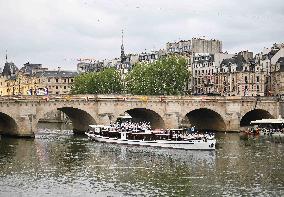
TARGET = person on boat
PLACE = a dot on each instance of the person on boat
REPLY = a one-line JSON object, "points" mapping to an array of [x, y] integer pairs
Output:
{"points": [[193, 129]]}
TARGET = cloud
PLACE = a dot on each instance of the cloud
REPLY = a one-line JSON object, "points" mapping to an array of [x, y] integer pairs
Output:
{"points": [[55, 33]]}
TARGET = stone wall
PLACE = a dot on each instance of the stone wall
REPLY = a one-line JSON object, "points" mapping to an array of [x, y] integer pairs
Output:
{"points": [[54, 116], [281, 109]]}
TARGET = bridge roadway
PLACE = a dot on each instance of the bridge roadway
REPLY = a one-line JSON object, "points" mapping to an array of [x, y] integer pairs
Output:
{"points": [[19, 115]]}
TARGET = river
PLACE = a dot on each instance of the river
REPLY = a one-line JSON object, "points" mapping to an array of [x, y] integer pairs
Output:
{"points": [[56, 163]]}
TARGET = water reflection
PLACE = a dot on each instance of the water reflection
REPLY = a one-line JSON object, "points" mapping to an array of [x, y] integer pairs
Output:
{"points": [[58, 163]]}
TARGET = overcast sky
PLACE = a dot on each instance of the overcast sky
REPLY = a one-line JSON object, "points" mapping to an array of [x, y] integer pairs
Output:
{"points": [[57, 32]]}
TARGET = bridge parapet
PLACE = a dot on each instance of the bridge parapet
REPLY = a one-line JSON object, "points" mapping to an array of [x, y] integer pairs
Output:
{"points": [[143, 98]]}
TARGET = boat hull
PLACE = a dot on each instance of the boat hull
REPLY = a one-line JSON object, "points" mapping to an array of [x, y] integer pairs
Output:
{"points": [[186, 144]]}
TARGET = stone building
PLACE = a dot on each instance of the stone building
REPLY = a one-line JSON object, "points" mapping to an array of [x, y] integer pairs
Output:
{"points": [[33, 79], [203, 67], [182, 46], [277, 76], [8, 82], [200, 45], [195, 45], [267, 59], [96, 66], [55, 82], [239, 77]]}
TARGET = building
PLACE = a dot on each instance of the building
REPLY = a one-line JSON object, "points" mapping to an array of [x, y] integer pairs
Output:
{"points": [[195, 45], [92, 66], [54, 82], [33, 79], [200, 45], [8, 79], [203, 67], [239, 77], [182, 46], [30, 69], [277, 76], [267, 59]]}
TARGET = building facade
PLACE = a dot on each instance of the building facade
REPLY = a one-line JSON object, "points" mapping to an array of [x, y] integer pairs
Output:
{"points": [[277, 76], [33, 79], [203, 67], [54, 82], [238, 77], [195, 45]]}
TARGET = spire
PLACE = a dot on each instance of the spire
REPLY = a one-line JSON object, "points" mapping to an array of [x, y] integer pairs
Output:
{"points": [[122, 38], [122, 55], [6, 56]]}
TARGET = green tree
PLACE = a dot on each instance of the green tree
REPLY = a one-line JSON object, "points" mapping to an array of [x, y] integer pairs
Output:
{"points": [[107, 81], [166, 76]]}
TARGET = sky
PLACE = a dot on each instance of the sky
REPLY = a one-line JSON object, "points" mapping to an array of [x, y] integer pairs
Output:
{"points": [[56, 33]]}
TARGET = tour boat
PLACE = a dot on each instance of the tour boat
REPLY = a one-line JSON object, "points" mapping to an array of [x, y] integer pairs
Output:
{"points": [[173, 138], [269, 127]]}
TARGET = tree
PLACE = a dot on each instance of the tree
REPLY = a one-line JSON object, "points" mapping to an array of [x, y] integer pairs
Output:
{"points": [[166, 76], [107, 81]]}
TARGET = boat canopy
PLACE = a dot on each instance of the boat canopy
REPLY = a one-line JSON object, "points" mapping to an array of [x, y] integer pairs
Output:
{"points": [[268, 121], [126, 116], [97, 126]]}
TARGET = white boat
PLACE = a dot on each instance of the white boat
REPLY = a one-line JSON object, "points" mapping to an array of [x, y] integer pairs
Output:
{"points": [[269, 127], [170, 139]]}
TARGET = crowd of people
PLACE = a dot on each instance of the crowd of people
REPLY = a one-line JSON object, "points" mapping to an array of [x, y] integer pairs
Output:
{"points": [[132, 126]]}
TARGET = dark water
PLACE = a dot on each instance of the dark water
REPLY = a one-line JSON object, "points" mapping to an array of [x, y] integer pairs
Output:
{"points": [[57, 163]]}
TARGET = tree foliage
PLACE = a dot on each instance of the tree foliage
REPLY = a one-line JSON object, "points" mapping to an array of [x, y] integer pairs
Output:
{"points": [[166, 76], [107, 81]]}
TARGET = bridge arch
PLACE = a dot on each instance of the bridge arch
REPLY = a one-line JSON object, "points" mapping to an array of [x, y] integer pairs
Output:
{"points": [[144, 114], [81, 119], [204, 119], [8, 125], [255, 114]]}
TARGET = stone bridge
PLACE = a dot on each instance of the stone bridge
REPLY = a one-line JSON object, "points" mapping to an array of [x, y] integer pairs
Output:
{"points": [[19, 115]]}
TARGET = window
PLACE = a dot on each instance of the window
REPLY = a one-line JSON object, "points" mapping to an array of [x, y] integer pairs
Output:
{"points": [[64, 87], [246, 79], [56, 80], [56, 87], [48, 79], [257, 78], [71, 80]]}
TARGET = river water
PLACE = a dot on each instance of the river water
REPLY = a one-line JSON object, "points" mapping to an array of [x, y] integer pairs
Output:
{"points": [[56, 163]]}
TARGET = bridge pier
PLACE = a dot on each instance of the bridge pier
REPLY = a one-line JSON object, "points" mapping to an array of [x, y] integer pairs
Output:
{"points": [[26, 127], [172, 120], [105, 119], [233, 122]]}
